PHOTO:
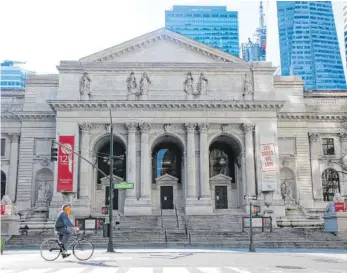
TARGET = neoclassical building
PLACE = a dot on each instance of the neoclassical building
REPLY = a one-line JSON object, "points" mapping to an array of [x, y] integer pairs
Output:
{"points": [[200, 131]]}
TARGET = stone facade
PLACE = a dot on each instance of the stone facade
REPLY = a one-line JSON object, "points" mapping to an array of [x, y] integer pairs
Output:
{"points": [[165, 92]]}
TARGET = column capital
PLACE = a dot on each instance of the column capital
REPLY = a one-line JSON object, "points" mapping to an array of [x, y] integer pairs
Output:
{"points": [[131, 126], [248, 128], [313, 137], [342, 136], [85, 127], [145, 127], [190, 127], [203, 127], [14, 137]]}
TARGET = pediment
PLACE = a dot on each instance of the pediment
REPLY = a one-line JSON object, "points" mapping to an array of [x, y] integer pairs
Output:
{"points": [[166, 177], [220, 177], [106, 180], [163, 46]]}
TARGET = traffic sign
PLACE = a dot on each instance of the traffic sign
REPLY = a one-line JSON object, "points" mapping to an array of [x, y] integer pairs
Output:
{"points": [[123, 185], [250, 197]]}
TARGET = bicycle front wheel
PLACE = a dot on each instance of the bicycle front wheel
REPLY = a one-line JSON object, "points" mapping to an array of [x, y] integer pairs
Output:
{"points": [[50, 250], [83, 250]]}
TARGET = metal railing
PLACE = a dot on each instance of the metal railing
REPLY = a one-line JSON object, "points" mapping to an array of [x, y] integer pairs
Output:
{"points": [[166, 237], [161, 218], [178, 225]]}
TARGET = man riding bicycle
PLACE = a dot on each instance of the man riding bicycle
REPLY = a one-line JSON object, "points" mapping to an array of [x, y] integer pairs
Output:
{"points": [[64, 227]]}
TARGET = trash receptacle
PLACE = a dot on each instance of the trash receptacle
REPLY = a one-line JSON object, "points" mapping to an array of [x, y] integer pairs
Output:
{"points": [[106, 230]]}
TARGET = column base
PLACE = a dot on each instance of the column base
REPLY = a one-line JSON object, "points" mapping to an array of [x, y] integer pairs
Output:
{"points": [[202, 206], [134, 207]]}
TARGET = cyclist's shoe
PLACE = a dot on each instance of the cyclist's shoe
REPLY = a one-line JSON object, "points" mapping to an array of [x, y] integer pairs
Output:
{"points": [[65, 254]]}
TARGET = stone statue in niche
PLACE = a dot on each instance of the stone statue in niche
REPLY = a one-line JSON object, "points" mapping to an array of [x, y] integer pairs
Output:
{"points": [[286, 191], [248, 85], [145, 83], [85, 84], [189, 84], [202, 84], [131, 83], [44, 192]]}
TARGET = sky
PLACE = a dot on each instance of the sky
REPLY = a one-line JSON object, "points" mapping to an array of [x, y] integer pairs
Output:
{"points": [[44, 32]]}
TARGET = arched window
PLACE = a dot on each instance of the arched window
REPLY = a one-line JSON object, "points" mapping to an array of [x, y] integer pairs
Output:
{"points": [[3, 184], [166, 159], [331, 184], [222, 160]]}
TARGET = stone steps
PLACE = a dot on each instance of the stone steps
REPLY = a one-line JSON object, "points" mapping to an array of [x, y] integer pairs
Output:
{"points": [[151, 238]]}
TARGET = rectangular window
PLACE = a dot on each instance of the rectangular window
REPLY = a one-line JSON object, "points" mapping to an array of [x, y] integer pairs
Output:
{"points": [[328, 146], [3, 146]]}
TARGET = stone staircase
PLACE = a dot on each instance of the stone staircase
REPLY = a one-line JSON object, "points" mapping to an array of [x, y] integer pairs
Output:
{"points": [[145, 238]]}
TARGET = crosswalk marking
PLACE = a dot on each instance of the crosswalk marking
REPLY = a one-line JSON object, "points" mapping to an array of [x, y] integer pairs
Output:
{"points": [[140, 270], [43, 270], [210, 269], [238, 270], [71, 270], [104, 270], [175, 270]]}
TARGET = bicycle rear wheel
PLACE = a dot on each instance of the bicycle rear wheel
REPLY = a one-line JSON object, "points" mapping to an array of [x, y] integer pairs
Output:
{"points": [[83, 250], [50, 249]]}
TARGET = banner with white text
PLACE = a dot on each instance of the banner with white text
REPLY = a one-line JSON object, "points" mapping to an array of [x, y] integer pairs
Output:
{"points": [[65, 164]]}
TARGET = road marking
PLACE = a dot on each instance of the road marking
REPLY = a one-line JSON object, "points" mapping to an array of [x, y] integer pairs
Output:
{"points": [[104, 270], [70, 270], [238, 270], [140, 270], [175, 270], [210, 269], [35, 270]]}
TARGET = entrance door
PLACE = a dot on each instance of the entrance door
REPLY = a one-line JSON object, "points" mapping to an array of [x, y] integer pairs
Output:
{"points": [[166, 197], [115, 197], [221, 197]]}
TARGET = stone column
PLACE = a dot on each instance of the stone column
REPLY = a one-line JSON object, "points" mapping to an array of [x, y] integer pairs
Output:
{"points": [[85, 172], [12, 181], [131, 159], [191, 181], [204, 162], [146, 182], [249, 154], [315, 169]]}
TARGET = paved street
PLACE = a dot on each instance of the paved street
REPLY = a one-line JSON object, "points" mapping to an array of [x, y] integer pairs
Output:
{"points": [[179, 261]]}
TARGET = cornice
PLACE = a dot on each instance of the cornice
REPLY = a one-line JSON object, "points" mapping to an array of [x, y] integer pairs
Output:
{"points": [[78, 67], [29, 116], [311, 116], [9, 116], [51, 80], [264, 106]]}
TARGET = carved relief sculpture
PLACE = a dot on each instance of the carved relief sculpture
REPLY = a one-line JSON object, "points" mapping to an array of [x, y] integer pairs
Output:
{"points": [[202, 84], [145, 83], [189, 84], [167, 128], [313, 137], [248, 85], [85, 84], [145, 127], [131, 83]]}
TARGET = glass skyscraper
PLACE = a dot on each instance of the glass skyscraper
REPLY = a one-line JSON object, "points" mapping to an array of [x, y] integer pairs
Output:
{"points": [[345, 29], [12, 76], [211, 25], [309, 45]]}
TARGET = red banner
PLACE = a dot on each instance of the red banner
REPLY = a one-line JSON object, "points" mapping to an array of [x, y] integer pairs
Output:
{"points": [[3, 209], [65, 164]]}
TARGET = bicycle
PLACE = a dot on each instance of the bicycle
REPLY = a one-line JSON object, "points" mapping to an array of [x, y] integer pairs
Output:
{"points": [[53, 246]]}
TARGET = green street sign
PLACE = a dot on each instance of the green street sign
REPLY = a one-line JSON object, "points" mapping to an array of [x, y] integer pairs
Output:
{"points": [[123, 185]]}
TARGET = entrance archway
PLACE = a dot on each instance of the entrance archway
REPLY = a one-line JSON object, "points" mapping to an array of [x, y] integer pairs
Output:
{"points": [[167, 170], [3, 184], [225, 171], [102, 149]]}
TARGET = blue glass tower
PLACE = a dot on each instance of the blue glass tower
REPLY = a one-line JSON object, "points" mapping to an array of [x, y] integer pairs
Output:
{"points": [[309, 45], [213, 26], [12, 77]]}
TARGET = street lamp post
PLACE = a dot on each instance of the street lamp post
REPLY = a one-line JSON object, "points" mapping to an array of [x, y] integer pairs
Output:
{"points": [[110, 234], [251, 246]]}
